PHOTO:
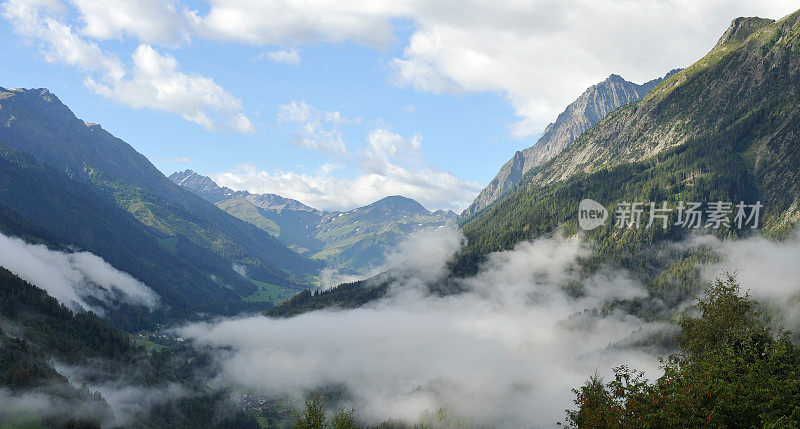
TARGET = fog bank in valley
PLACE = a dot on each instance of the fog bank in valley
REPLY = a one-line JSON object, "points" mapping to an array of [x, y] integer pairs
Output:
{"points": [[505, 353]]}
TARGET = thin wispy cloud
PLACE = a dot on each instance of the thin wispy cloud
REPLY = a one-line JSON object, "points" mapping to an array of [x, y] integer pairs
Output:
{"points": [[315, 129], [286, 56]]}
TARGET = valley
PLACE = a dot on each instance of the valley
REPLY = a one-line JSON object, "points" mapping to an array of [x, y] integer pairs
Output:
{"points": [[575, 289]]}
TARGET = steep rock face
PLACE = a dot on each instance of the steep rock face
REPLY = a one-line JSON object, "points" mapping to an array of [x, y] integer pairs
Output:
{"points": [[589, 109], [279, 203]]}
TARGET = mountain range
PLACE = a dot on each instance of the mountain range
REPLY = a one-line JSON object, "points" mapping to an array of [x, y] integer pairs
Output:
{"points": [[354, 241], [71, 184]]}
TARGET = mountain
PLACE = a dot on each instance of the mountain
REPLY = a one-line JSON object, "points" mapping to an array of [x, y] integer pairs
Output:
{"points": [[590, 108], [723, 129], [35, 121], [354, 241]]}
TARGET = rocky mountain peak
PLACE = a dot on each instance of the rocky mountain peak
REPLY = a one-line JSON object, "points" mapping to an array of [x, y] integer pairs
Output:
{"points": [[587, 110], [205, 187], [741, 28]]}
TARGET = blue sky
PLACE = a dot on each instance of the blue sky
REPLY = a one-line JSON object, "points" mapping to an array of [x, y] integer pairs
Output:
{"points": [[335, 103]]}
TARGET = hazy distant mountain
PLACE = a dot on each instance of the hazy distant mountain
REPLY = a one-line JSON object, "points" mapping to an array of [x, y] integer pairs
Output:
{"points": [[590, 108], [354, 241]]}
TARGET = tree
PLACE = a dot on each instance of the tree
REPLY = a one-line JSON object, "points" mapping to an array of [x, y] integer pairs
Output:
{"points": [[731, 370], [314, 415]]}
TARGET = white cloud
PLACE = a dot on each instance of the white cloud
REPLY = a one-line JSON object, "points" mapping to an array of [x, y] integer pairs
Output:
{"points": [[279, 22], [287, 56], [766, 269], [316, 130], [503, 354], [72, 277], [153, 82], [540, 54], [150, 21], [156, 83], [388, 165]]}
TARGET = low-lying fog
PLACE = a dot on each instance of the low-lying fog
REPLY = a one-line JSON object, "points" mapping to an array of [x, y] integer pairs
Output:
{"points": [[505, 353]]}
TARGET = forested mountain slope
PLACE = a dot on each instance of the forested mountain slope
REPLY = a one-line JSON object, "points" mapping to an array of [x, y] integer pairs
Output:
{"points": [[724, 129], [43, 205], [37, 335], [36, 122]]}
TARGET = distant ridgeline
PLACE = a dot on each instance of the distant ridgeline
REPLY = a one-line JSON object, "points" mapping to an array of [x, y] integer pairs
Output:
{"points": [[723, 129], [355, 241]]}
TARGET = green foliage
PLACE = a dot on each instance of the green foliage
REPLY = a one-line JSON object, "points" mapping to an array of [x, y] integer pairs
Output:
{"points": [[314, 417], [731, 370], [272, 294], [344, 419]]}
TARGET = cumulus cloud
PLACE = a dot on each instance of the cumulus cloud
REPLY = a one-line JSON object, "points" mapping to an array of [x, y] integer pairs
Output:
{"points": [[277, 22], [504, 354], [153, 81], [316, 129], [72, 278], [389, 164]]}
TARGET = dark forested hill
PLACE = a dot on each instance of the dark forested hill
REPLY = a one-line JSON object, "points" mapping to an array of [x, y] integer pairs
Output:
{"points": [[36, 331], [36, 122]]}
